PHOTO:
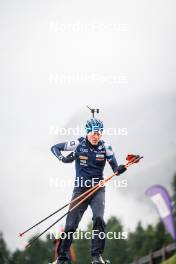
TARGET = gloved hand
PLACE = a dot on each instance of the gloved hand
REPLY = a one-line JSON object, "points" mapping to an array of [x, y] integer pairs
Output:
{"points": [[121, 169], [69, 158]]}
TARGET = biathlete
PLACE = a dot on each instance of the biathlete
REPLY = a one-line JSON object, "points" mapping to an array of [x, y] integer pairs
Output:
{"points": [[90, 154]]}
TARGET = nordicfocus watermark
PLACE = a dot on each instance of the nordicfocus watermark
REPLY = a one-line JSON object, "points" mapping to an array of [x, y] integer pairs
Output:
{"points": [[77, 77], [89, 235], [78, 27], [57, 182], [80, 130]]}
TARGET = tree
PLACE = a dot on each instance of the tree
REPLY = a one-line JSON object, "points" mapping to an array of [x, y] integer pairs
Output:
{"points": [[143, 241], [4, 252], [115, 248], [39, 252], [135, 246], [82, 248]]}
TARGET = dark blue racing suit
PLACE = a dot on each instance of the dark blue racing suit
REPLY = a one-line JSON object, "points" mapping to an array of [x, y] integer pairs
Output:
{"points": [[89, 164]]}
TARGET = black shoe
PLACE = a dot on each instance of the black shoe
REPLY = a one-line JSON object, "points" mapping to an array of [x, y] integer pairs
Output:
{"points": [[98, 260]]}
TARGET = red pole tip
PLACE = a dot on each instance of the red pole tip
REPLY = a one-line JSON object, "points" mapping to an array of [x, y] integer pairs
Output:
{"points": [[20, 234], [27, 246]]}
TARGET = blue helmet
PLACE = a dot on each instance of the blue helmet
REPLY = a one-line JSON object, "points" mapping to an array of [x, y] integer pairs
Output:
{"points": [[94, 125]]}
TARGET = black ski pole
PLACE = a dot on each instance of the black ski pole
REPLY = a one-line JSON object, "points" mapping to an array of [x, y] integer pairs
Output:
{"points": [[41, 221], [69, 211], [132, 160], [37, 237], [74, 200]]}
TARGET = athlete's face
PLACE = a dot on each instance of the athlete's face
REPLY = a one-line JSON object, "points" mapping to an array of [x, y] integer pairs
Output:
{"points": [[94, 137]]}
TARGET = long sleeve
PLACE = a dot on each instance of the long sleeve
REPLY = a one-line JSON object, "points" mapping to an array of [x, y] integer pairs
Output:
{"points": [[111, 157], [56, 149], [66, 146]]}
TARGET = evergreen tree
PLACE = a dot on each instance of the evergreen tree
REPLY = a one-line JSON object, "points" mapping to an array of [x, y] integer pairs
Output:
{"points": [[115, 249], [4, 252]]}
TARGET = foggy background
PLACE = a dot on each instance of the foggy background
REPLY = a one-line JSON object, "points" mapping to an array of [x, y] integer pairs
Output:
{"points": [[56, 58]]}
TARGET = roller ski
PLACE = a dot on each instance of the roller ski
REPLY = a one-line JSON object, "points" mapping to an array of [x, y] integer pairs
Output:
{"points": [[99, 260], [61, 262]]}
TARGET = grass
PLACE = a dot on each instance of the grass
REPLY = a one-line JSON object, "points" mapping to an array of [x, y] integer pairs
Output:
{"points": [[172, 260]]}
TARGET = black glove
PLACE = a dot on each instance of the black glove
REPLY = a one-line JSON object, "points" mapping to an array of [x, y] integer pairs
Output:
{"points": [[121, 169], [69, 158]]}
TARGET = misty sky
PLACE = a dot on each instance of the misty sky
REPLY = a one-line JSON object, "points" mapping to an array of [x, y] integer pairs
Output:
{"points": [[56, 58]]}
